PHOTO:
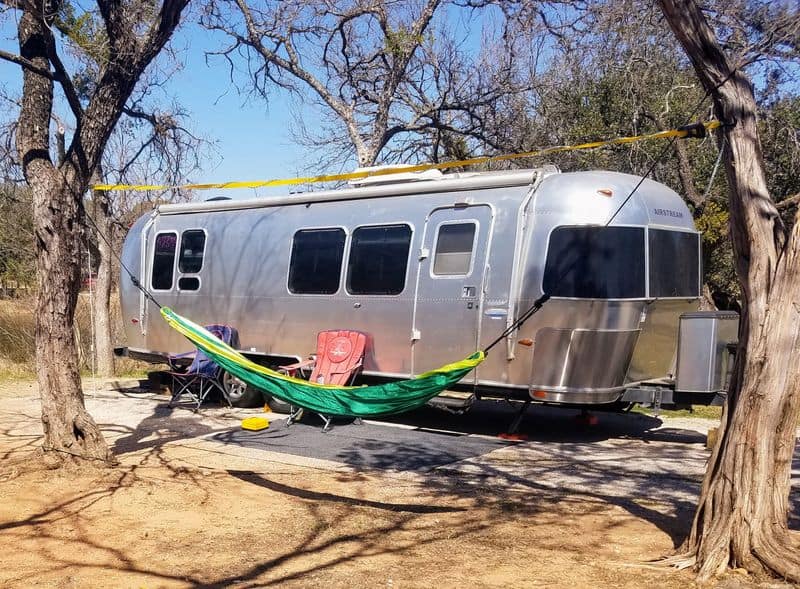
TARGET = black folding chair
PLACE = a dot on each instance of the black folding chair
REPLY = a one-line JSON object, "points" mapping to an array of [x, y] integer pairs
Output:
{"points": [[203, 375]]}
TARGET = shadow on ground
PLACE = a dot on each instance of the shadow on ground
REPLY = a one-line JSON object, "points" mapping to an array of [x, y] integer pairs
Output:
{"points": [[368, 445], [475, 485], [626, 459]]}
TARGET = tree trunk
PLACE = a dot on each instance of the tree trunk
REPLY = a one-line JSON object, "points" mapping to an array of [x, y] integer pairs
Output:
{"points": [[101, 292], [685, 175], [68, 429], [742, 515], [134, 39]]}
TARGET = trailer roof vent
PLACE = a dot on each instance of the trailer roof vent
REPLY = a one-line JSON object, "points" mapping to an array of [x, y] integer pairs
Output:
{"points": [[396, 178]]}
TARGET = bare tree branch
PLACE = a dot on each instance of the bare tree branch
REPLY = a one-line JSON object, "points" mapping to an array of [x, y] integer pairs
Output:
{"points": [[788, 202], [380, 73], [65, 81], [27, 64]]}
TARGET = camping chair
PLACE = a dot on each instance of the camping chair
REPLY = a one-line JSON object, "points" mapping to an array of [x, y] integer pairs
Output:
{"points": [[203, 375], [339, 358]]}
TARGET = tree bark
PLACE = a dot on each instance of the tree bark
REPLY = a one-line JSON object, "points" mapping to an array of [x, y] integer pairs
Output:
{"points": [[685, 175], [101, 290], [742, 515], [68, 429]]}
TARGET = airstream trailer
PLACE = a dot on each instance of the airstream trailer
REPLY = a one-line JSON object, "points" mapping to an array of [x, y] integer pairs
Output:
{"points": [[433, 267]]}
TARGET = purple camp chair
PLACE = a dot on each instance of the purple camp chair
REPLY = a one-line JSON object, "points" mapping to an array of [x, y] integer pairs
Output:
{"points": [[203, 375]]}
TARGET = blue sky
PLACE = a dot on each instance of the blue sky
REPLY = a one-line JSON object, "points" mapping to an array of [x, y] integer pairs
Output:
{"points": [[252, 139], [252, 136]]}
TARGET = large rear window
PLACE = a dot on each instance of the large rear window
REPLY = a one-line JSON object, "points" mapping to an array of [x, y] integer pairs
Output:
{"points": [[595, 263], [674, 263]]}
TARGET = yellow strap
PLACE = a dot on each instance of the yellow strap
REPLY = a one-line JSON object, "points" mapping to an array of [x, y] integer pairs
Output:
{"points": [[709, 125]]}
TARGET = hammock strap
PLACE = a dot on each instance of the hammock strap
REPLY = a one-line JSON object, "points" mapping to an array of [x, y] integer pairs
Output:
{"points": [[537, 304]]}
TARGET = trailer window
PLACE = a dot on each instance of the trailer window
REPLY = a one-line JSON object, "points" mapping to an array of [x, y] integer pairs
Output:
{"points": [[164, 261], [188, 283], [193, 245], [378, 260], [454, 245], [316, 262], [674, 263], [595, 263]]}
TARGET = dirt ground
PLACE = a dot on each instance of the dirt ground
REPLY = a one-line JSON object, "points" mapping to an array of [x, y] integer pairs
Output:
{"points": [[181, 510]]}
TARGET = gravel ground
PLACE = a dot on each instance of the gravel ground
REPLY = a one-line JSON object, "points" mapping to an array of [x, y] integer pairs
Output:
{"points": [[576, 505], [629, 457]]}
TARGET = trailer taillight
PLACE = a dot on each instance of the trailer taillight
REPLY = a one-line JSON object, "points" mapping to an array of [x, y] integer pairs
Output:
{"points": [[134, 320], [605, 192]]}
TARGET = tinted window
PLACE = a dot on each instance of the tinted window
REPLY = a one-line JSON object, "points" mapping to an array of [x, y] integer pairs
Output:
{"points": [[454, 249], [316, 261], [164, 260], [378, 260], [595, 263], [188, 283], [193, 244], [674, 263]]}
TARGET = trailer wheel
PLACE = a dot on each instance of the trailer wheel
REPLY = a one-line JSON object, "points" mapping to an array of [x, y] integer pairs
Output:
{"points": [[278, 406], [240, 393]]}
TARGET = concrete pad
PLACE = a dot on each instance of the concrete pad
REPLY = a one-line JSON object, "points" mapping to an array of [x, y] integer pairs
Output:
{"points": [[369, 445]]}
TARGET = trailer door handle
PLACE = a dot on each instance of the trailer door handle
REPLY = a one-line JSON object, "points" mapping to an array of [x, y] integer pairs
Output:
{"points": [[356, 305]]}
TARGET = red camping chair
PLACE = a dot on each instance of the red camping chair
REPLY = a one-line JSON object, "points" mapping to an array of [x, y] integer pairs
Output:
{"points": [[339, 358]]}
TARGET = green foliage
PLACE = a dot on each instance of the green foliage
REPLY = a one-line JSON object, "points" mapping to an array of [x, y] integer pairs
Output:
{"points": [[712, 221], [84, 30], [402, 41], [585, 103], [86, 34], [780, 140], [694, 411]]}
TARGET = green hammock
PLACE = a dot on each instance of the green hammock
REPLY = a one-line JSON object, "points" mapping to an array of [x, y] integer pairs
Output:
{"points": [[383, 399]]}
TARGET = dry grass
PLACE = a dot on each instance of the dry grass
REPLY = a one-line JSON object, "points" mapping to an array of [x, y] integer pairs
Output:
{"points": [[132, 368], [10, 371], [17, 330], [17, 336], [698, 411]]}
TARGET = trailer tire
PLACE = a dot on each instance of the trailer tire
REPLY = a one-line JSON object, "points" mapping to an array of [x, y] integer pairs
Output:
{"points": [[277, 405], [241, 394]]}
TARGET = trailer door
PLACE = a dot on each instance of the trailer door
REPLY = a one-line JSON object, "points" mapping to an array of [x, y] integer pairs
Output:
{"points": [[450, 285], [144, 275]]}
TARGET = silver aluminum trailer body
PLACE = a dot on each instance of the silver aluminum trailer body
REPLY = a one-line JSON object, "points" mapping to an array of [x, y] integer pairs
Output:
{"points": [[605, 329]]}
